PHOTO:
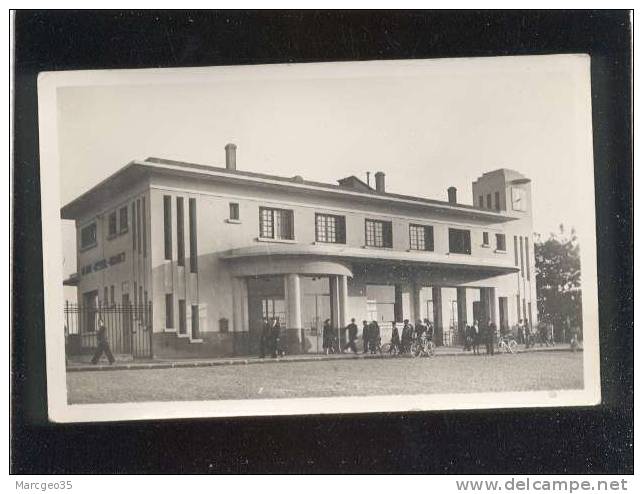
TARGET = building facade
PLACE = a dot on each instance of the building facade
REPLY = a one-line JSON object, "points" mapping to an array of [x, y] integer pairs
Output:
{"points": [[214, 250]]}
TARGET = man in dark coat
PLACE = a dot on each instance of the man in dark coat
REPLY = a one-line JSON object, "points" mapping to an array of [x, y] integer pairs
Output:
{"points": [[407, 336], [351, 329], [327, 337], [374, 337], [491, 337], [365, 335], [264, 341], [275, 334], [395, 339], [103, 345]]}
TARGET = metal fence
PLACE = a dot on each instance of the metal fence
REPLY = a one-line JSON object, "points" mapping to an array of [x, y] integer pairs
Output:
{"points": [[128, 328]]}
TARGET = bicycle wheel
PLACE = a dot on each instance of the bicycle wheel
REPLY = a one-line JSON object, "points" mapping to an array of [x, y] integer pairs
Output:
{"points": [[414, 349], [431, 349], [513, 346], [386, 348]]}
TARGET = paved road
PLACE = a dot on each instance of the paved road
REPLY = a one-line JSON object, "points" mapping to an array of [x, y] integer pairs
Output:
{"points": [[347, 377]]}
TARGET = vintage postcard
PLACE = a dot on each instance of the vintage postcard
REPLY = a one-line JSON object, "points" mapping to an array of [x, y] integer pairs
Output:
{"points": [[319, 238]]}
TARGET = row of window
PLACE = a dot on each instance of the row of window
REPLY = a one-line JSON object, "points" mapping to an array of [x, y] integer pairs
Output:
{"points": [[180, 231], [118, 224], [496, 201], [521, 251], [329, 228], [169, 316]]}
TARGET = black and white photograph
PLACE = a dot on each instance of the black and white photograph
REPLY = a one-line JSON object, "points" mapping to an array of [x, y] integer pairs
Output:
{"points": [[314, 238]]}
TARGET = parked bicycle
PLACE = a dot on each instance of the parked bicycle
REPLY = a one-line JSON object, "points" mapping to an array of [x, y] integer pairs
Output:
{"points": [[508, 344], [423, 347]]}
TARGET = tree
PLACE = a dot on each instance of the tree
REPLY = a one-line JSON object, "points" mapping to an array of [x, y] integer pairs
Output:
{"points": [[558, 281]]}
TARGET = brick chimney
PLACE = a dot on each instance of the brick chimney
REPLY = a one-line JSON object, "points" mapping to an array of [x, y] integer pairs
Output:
{"points": [[231, 156], [380, 182], [452, 193]]}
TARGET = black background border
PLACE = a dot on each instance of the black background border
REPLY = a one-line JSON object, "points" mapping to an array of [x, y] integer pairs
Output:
{"points": [[577, 440]]}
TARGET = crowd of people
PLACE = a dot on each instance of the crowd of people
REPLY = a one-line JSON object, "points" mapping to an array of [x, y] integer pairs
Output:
{"points": [[334, 341]]}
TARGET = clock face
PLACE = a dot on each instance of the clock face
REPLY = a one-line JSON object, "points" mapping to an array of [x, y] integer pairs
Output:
{"points": [[518, 201]]}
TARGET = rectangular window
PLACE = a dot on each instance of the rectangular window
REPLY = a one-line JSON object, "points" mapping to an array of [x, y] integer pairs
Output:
{"points": [[485, 239], [111, 222], [167, 226], [481, 202], [193, 240], [123, 219], [529, 313], [501, 242], [276, 223], [135, 294], [144, 223], [88, 236], [182, 317], [497, 200], [421, 237], [111, 295], [515, 250], [234, 211], [527, 263], [105, 297], [180, 232], [195, 322], [134, 226], [518, 307], [522, 260], [488, 201], [524, 310], [459, 241], [138, 224], [379, 233], [330, 228], [169, 310]]}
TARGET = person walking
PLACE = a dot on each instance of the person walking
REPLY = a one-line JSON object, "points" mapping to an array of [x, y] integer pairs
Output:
{"points": [[275, 336], [374, 337], [475, 337], [365, 335], [103, 344], [395, 339], [327, 339], [351, 331], [407, 336], [491, 337], [264, 340]]}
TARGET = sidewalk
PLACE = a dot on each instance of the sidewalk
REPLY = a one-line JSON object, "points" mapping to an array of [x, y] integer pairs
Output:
{"points": [[129, 364]]}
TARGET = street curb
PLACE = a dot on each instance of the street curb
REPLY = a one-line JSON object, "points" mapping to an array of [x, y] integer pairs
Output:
{"points": [[251, 361]]}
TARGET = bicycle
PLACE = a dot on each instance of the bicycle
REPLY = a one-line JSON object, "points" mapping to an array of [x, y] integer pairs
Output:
{"points": [[508, 344], [390, 349], [423, 347]]}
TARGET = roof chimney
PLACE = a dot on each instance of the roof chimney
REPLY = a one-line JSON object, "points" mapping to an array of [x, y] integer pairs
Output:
{"points": [[380, 183], [452, 193], [231, 156]]}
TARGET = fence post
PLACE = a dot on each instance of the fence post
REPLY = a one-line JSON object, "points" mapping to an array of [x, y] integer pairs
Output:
{"points": [[148, 310]]}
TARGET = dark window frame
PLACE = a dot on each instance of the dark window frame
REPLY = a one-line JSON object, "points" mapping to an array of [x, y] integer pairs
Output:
{"points": [[234, 213], [496, 199], [183, 322], [485, 239], [167, 226], [422, 239], [268, 223], [112, 224], [501, 242], [169, 311], [180, 231], [192, 220], [89, 243], [381, 238], [123, 220], [330, 228], [459, 245]]}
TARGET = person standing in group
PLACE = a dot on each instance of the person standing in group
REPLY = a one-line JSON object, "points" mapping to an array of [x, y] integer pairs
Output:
{"points": [[521, 332], [351, 331], [407, 336], [264, 341], [103, 344], [275, 336], [365, 335], [475, 337], [327, 339], [395, 339], [429, 330], [374, 337], [491, 337]]}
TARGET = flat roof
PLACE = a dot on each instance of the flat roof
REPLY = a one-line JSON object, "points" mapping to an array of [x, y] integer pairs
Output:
{"points": [[136, 170]]}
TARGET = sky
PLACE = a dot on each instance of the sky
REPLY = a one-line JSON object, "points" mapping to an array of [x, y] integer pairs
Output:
{"points": [[427, 125]]}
